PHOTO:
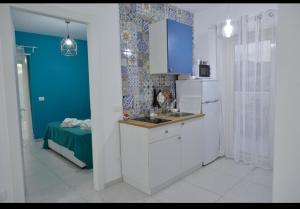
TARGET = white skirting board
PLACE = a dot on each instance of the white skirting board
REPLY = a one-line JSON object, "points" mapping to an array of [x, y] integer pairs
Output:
{"points": [[65, 152]]}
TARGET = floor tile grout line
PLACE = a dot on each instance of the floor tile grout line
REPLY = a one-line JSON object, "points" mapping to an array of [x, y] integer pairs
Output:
{"points": [[241, 179], [233, 186], [200, 187], [238, 183], [236, 176], [56, 175], [223, 173], [220, 195], [50, 170], [257, 183]]}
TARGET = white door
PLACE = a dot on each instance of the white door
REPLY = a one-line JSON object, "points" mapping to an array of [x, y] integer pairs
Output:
{"points": [[24, 99], [211, 131], [192, 144], [164, 160]]}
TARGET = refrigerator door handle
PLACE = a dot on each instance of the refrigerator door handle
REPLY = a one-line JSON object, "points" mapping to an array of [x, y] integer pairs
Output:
{"points": [[210, 101]]}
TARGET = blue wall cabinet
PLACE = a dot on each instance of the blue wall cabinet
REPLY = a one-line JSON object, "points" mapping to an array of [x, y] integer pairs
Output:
{"points": [[170, 48]]}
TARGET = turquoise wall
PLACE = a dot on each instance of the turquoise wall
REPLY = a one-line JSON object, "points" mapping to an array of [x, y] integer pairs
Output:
{"points": [[63, 81]]}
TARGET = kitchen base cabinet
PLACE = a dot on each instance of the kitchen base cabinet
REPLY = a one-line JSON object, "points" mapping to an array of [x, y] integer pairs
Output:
{"points": [[153, 158], [164, 160], [192, 146]]}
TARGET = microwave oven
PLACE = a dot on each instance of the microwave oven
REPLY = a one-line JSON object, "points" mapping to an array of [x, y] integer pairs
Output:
{"points": [[204, 70]]}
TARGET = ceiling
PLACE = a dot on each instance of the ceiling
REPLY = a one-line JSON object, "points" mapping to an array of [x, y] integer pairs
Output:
{"points": [[35, 23], [197, 7]]}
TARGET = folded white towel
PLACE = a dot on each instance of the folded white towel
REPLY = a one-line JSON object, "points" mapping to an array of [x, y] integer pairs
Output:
{"points": [[86, 124], [70, 122]]}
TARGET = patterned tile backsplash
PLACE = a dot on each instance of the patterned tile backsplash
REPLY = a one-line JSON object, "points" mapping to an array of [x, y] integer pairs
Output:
{"points": [[137, 82]]}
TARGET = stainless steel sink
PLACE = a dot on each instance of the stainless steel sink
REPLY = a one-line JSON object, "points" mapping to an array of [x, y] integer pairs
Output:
{"points": [[180, 114], [151, 120]]}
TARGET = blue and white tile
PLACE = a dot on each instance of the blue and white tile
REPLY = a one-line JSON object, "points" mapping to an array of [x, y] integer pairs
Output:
{"points": [[128, 102], [172, 12]]}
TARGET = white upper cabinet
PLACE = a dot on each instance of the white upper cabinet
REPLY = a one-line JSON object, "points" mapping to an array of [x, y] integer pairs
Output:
{"points": [[170, 48]]}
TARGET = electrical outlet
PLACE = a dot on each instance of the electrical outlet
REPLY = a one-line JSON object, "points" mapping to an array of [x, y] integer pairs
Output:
{"points": [[3, 195], [41, 99]]}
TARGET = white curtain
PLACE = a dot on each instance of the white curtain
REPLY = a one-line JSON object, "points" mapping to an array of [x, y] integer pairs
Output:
{"points": [[247, 67]]}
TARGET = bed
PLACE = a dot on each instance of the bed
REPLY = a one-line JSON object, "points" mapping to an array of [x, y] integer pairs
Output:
{"points": [[74, 143]]}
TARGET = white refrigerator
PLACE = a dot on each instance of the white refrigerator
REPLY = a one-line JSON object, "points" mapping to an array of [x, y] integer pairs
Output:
{"points": [[208, 91]]}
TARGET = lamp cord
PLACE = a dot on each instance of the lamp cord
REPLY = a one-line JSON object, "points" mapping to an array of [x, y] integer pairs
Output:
{"points": [[68, 29], [228, 10], [68, 33]]}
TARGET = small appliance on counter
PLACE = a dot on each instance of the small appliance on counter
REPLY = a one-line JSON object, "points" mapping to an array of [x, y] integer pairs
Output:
{"points": [[204, 70]]}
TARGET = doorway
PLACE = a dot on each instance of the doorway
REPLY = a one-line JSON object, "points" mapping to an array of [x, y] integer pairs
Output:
{"points": [[53, 86], [25, 106], [104, 46]]}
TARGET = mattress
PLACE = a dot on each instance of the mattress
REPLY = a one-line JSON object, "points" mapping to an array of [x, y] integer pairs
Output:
{"points": [[74, 139]]}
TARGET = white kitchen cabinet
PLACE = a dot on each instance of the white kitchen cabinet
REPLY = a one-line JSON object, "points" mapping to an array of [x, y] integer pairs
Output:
{"points": [[192, 144], [164, 160], [153, 158]]}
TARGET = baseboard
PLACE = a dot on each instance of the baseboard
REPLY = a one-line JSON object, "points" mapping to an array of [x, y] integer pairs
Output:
{"points": [[115, 181]]}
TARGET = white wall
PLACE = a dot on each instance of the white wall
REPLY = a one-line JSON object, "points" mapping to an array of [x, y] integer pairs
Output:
{"points": [[108, 82], [204, 20], [12, 181], [286, 179], [5, 174], [105, 90]]}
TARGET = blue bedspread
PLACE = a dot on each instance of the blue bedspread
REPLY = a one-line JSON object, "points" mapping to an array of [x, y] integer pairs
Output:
{"points": [[75, 139]]}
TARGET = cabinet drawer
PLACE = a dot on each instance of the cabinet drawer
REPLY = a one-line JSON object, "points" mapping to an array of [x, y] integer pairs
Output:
{"points": [[163, 132]]}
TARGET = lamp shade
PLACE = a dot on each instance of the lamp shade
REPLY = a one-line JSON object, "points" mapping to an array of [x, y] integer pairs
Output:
{"points": [[68, 46], [227, 30]]}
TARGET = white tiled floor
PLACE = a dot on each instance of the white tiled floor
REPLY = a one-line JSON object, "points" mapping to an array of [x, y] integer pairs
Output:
{"points": [[51, 178]]}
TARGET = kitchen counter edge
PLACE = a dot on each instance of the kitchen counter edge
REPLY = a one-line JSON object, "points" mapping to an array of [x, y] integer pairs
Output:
{"points": [[151, 125]]}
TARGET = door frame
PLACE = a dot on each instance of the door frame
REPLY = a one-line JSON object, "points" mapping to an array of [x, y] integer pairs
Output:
{"points": [[26, 95], [98, 64]]}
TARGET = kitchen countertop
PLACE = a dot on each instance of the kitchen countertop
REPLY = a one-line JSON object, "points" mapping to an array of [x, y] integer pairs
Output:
{"points": [[163, 116]]}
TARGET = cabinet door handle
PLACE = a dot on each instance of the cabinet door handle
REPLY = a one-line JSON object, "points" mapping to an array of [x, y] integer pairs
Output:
{"points": [[166, 131], [179, 137]]}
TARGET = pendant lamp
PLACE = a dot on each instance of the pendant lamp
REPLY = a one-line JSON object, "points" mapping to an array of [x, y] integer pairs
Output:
{"points": [[68, 46]]}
